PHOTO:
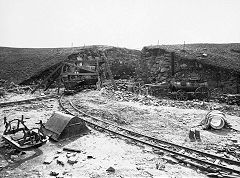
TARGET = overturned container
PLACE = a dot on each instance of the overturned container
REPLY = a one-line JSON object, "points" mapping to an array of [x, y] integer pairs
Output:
{"points": [[215, 119], [61, 126]]}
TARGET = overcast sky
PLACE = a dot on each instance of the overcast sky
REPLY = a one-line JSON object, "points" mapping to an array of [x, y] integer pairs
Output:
{"points": [[123, 23]]}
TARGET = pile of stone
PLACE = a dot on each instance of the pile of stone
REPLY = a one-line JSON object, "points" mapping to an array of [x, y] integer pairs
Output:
{"points": [[6, 87], [231, 99], [124, 95]]}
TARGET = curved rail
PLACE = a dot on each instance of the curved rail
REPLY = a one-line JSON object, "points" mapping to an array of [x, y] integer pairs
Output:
{"points": [[154, 142]]}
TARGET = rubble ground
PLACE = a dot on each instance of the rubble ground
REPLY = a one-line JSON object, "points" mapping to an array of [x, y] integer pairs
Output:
{"points": [[161, 121], [104, 151]]}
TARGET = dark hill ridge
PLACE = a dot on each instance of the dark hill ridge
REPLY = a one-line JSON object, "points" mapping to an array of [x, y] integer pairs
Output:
{"points": [[218, 64], [19, 64], [221, 55]]}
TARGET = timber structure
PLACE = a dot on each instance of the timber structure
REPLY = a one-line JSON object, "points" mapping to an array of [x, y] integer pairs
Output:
{"points": [[85, 69]]}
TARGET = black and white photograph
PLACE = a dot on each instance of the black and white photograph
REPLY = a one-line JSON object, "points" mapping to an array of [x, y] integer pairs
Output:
{"points": [[119, 88]]}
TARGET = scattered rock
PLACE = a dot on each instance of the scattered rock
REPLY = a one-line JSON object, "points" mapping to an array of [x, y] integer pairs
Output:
{"points": [[14, 157], [90, 157], [110, 169], [160, 165], [53, 173], [170, 159], [59, 151], [148, 149], [72, 150], [68, 155], [60, 176], [60, 161], [157, 151], [72, 160], [65, 171], [10, 161], [22, 153], [204, 55], [48, 160]]}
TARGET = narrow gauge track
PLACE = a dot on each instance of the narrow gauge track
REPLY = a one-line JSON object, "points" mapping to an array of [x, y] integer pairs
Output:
{"points": [[202, 160]]}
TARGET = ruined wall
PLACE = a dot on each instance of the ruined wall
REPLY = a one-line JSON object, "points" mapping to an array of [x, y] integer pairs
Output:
{"points": [[124, 63], [156, 66]]}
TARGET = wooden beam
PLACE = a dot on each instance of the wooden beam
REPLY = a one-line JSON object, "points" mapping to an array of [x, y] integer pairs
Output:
{"points": [[172, 63], [238, 83], [69, 73], [44, 81], [78, 67], [109, 71]]}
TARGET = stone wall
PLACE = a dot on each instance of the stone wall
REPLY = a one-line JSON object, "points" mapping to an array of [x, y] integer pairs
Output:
{"points": [[156, 66]]}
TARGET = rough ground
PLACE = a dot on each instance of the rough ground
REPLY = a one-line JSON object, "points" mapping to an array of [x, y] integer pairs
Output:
{"points": [[165, 119]]}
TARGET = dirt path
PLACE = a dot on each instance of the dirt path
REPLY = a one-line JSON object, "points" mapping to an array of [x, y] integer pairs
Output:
{"points": [[99, 151]]}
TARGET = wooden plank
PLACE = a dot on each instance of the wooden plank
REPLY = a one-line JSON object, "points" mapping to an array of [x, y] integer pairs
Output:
{"points": [[109, 72], [78, 67], [238, 83], [72, 149], [172, 63], [66, 74], [44, 81]]}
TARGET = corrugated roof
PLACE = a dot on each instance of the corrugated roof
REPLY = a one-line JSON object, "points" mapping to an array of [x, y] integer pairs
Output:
{"points": [[57, 122]]}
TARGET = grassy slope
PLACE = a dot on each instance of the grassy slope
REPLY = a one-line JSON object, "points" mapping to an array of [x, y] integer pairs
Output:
{"points": [[18, 64]]}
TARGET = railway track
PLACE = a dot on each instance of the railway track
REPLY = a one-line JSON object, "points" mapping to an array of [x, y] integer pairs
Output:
{"points": [[202, 160]]}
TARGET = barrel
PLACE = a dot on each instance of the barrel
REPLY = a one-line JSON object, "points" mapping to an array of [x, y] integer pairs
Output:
{"points": [[216, 119]]}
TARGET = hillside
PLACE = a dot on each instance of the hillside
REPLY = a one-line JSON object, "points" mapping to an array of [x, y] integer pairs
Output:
{"points": [[221, 55], [19, 64]]}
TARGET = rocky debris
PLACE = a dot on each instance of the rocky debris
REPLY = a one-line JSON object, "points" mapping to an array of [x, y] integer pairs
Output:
{"points": [[72, 160], [128, 90], [90, 157], [14, 157], [110, 169], [231, 99], [160, 165], [72, 150], [2, 92], [68, 155], [123, 95], [61, 160], [53, 173], [49, 159], [11, 87], [170, 159], [204, 55], [59, 151]]}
